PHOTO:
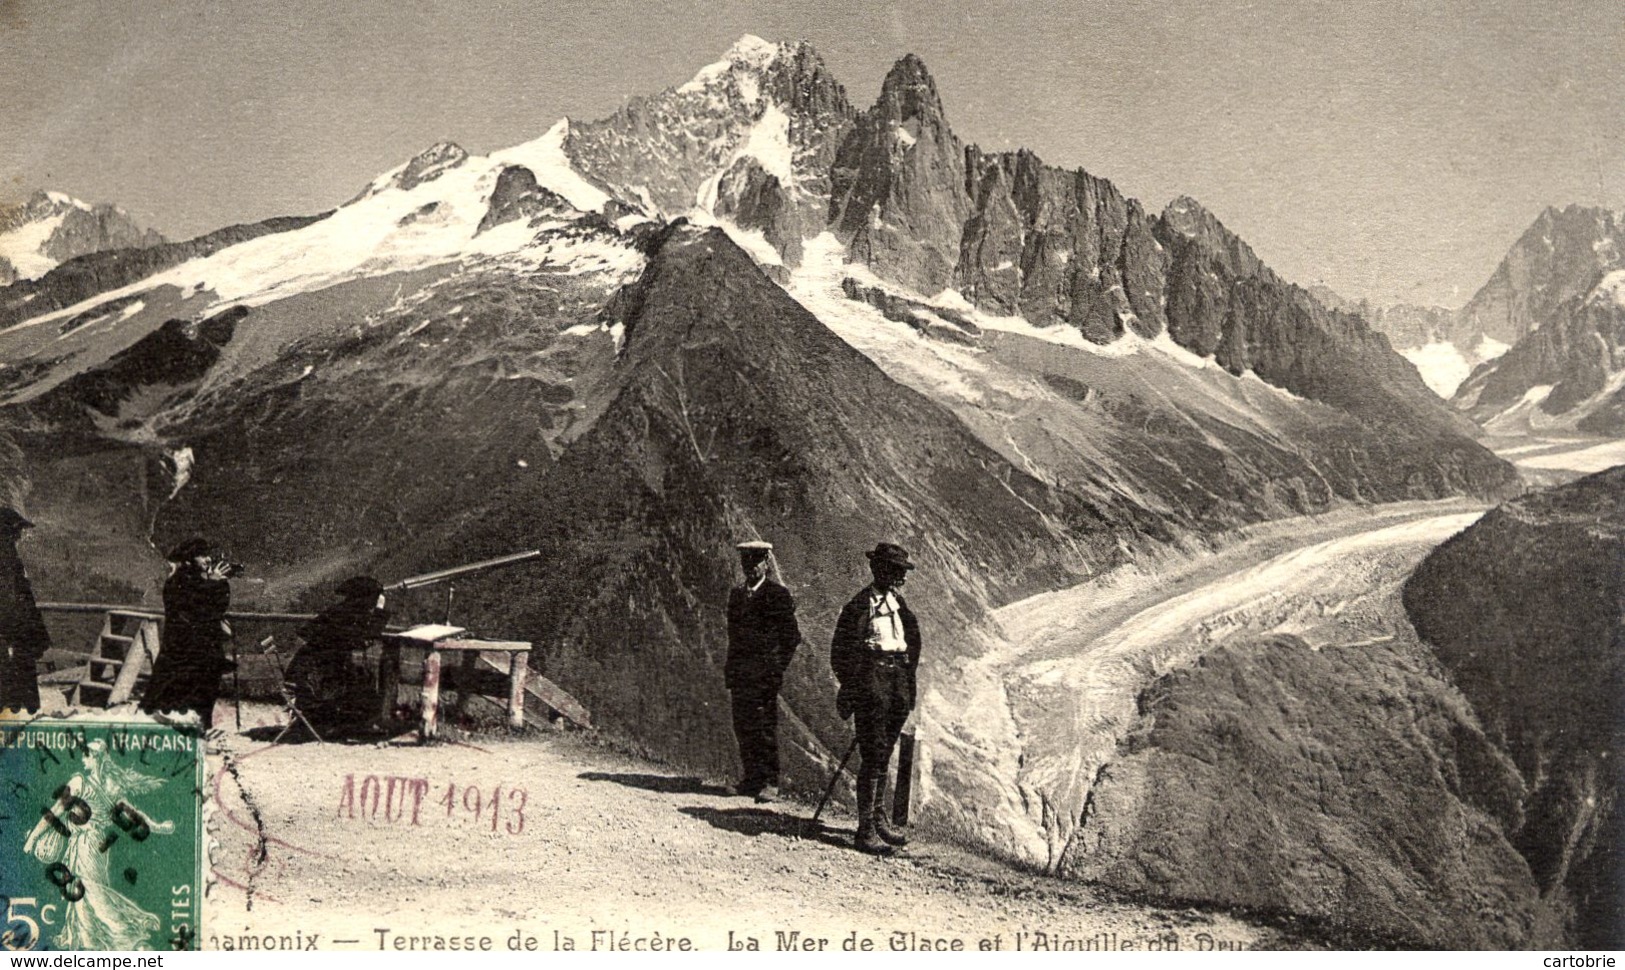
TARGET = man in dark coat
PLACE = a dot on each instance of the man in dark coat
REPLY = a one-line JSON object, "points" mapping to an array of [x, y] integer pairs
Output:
{"points": [[762, 637], [334, 692], [874, 654], [23, 637], [192, 654]]}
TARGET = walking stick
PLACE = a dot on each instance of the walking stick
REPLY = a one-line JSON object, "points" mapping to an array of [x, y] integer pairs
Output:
{"points": [[833, 778], [236, 686]]}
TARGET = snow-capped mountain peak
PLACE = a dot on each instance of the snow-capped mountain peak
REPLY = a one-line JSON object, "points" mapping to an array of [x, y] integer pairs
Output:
{"points": [[547, 160], [746, 144], [748, 55], [52, 227], [63, 200], [440, 207]]}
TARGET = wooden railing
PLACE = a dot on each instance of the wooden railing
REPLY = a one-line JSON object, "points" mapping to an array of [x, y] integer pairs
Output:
{"points": [[157, 613], [522, 682]]}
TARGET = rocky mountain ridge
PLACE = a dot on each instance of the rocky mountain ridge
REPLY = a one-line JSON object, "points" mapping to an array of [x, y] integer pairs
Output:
{"points": [[1568, 374], [1562, 289], [50, 228], [1559, 257]]}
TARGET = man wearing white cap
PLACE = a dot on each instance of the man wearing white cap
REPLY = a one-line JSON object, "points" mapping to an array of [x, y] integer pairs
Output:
{"points": [[762, 637]]}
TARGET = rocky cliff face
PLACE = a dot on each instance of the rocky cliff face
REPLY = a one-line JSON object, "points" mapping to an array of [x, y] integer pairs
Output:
{"points": [[517, 195], [1349, 785], [1570, 362], [1561, 289], [1559, 257], [51, 228], [1563, 377], [429, 165], [1406, 325], [1060, 247], [1526, 613], [749, 140], [1223, 301], [898, 196]]}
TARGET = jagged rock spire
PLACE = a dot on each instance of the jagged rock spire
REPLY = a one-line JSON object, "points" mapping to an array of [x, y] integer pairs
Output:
{"points": [[898, 195]]}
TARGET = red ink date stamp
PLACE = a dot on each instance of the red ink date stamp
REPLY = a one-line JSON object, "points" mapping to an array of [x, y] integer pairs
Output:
{"points": [[414, 801]]}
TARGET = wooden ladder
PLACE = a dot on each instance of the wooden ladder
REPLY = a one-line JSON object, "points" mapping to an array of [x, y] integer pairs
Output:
{"points": [[120, 659]]}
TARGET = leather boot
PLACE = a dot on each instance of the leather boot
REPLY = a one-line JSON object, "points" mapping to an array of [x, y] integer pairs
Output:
{"points": [[868, 840], [884, 829]]}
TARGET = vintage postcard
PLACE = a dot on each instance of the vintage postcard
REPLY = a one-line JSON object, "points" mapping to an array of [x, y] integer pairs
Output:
{"points": [[785, 477]]}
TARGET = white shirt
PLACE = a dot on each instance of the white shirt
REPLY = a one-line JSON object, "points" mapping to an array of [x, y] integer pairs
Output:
{"points": [[886, 623]]}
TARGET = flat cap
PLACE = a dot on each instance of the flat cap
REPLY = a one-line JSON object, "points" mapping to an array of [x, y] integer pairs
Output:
{"points": [[754, 545]]}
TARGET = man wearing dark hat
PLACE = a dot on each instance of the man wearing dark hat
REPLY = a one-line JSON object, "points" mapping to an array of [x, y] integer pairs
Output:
{"points": [[192, 654], [874, 654], [762, 637], [23, 637]]}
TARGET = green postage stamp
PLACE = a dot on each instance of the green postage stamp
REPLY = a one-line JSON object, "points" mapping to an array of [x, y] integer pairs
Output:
{"points": [[101, 834]]}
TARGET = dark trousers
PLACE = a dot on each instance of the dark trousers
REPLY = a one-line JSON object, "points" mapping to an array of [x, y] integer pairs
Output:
{"points": [[186, 689], [19, 689], [756, 727], [884, 699]]}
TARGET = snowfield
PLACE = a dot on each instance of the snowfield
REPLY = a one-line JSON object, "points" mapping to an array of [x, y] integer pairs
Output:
{"points": [[22, 247], [389, 230], [1611, 288], [1444, 367]]}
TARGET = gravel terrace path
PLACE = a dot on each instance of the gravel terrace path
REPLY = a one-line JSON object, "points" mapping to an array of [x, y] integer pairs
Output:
{"points": [[312, 840]]}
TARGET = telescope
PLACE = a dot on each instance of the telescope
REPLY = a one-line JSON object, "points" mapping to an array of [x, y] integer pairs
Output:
{"points": [[442, 575]]}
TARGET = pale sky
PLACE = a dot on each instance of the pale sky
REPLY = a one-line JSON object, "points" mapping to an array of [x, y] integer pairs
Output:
{"points": [[1392, 149]]}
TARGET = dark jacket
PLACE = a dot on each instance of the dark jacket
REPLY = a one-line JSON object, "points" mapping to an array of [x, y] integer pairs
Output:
{"points": [[323, 675], [851, 658], [23, 637], [343, 629], [191, 658], [762, 637], [22, 630]]}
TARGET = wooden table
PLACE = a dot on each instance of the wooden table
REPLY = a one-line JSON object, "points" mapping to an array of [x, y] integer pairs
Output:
{"points": [[438, 640]]}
